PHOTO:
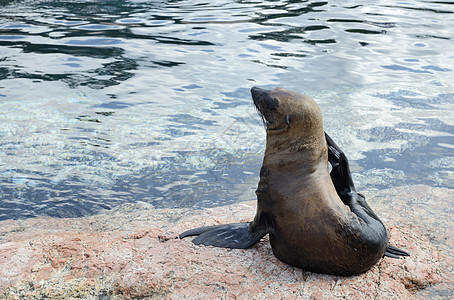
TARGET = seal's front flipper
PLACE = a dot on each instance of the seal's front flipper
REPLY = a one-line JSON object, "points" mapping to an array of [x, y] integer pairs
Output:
{"points": [[196, 231], [395, 252], [235, 236]]}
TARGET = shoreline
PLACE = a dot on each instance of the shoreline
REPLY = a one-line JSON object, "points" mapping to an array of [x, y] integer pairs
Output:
{"points": [[133, 251]]}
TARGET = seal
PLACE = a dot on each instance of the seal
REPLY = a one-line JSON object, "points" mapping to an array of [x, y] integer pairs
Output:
{"points": [[314, 217]]}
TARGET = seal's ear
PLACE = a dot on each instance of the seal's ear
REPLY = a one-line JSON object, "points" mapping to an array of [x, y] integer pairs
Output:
{"points": [[287, 120], [291, 118]]}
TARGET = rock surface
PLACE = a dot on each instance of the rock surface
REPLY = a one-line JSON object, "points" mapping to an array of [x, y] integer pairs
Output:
{"points": [[133, 251]]}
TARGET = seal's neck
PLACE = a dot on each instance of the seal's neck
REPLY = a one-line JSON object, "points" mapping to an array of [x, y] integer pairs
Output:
{"points": [[297, 157]]}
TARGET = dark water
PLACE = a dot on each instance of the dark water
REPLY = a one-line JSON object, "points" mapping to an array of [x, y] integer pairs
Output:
{"points": [[111, 102]]}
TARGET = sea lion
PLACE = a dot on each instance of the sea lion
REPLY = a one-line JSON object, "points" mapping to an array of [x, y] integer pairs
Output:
{"points": [[315, 218]]}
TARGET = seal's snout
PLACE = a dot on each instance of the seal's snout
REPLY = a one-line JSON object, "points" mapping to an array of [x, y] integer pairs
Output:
{"points": [[263, 100], [258, 92]]}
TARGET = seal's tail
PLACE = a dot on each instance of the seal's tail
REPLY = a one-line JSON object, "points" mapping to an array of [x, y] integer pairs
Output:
{"points": [[235, 236], [395, 252]]}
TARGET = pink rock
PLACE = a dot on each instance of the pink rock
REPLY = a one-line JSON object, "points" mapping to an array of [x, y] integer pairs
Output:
{"points": [[135, 253]]}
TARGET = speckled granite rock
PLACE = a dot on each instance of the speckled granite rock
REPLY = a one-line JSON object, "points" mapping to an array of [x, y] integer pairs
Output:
{"points": [[133, 251]]}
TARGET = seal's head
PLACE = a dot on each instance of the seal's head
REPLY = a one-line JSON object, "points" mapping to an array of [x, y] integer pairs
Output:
{"points": [[293, 121]]}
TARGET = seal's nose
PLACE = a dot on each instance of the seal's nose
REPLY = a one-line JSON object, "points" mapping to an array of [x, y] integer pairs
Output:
{"points": [[258, 93], [263, 100]]}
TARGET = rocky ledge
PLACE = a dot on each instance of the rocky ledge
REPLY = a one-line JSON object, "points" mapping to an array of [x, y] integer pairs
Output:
{"points": [[133, 251]]}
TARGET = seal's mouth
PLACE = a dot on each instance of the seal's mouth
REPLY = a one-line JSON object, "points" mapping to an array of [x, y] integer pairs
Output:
{"points": [[266, 105]]}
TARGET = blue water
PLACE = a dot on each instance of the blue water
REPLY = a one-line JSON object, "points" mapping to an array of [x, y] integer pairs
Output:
{"points": [[110, 102]]}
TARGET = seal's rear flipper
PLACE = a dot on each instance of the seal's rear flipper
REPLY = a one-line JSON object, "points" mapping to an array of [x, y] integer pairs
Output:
{"points": [[235, 236], [340, 173], [395, 252]]}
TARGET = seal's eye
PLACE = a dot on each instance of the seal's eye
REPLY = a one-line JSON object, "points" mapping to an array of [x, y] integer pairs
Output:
{"points": [[271, 103], [261, 191]]}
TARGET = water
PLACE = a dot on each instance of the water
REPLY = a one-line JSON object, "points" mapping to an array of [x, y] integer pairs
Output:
{"points": [[111, 102]]}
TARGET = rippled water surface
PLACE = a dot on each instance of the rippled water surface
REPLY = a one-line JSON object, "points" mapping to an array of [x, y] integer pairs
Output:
{"points": [[111, 102]]}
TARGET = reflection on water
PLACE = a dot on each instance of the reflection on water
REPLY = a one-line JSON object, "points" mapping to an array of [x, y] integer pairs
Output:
{"points": [[109, 102]]}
